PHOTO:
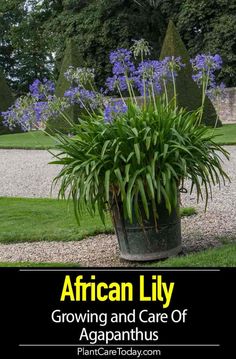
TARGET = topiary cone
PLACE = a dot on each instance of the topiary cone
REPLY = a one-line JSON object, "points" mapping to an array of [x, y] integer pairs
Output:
{"points": [[71, 58], [189, 95]]}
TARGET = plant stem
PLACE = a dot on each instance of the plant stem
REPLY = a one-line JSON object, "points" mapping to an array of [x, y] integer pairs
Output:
{"points": [[174, 88], [92, 87], [166, 93], [144, 85], [218, 106], [120, 93], [66, 118], [153, 97], [132, 90], [129, 90], [204, 90], [128, 84]]}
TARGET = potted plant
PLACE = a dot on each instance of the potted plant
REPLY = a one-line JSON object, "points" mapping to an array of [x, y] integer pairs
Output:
{"points": [[131, 156]]}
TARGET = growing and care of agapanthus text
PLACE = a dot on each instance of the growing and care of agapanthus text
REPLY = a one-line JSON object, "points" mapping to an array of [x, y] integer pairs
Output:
{"points": [[106, 329]]}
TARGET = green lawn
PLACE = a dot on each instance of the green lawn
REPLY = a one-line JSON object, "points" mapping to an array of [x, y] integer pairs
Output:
{"points": [[227, 134], [26, 219], [38, 140], [28, 140], [224, 256]]}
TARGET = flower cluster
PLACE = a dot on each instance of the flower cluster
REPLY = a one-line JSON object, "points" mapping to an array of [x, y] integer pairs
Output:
{"points": [[81, 76], [141, 48], [123, 69], [114, 109], [116, 82], [216, 91], [171, 64], [84, 98], [204, 67], [80, 94], [207, 62], [34, 109], [41, 90], [25, 113], [121, 60], [148, 77]]}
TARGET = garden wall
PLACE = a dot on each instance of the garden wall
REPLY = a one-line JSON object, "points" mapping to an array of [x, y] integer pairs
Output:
{"points": [[226, 106]]}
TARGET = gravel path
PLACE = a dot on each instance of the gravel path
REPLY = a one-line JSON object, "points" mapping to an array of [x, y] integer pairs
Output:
{"points": [[27, 174]]}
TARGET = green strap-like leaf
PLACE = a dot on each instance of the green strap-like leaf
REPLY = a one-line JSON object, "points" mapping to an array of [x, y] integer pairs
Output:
{"points": [[107, 184], [148, 142], [165, 150], [150, 185], [129, 193], [127, 168], [121, 183], [137, 152], [106, 143], [135, 131], [143, 197], [167, 201]]}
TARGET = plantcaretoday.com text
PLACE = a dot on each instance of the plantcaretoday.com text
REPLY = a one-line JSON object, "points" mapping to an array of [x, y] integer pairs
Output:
{"points": [[118, 351]]}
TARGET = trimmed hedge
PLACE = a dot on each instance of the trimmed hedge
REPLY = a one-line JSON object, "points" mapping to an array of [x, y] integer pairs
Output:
{"points": [[188, 94]]}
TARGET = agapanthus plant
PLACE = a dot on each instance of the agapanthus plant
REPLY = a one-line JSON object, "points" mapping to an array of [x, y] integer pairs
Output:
{"points": [[137, 151]]}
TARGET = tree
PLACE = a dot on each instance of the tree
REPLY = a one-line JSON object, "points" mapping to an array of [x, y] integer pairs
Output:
{"points": [[11, 13], [188, 94], [24, 53], [102, 26]]}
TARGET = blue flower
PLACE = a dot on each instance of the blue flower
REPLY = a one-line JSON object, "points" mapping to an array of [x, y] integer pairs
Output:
{"points": [[151, 73], [148, 76], [72, 94], [120, 55], [42, 89], [116, 82], [217, 61], [28, 112], [84, 98], [114, 109], [204, 66], [123, 69], [41, 111], [207, 62], [122, 64]]}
